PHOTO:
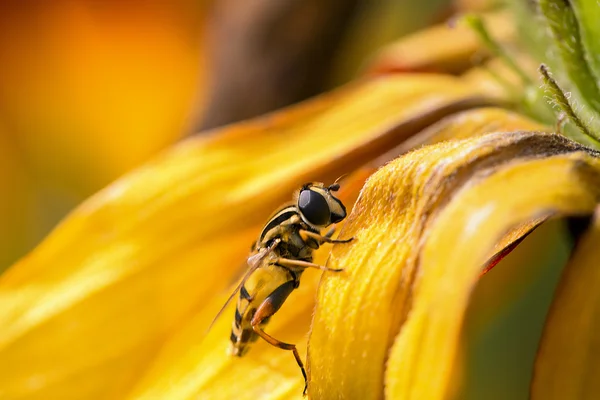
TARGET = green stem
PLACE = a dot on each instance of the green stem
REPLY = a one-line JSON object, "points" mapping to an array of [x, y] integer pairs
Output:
{"points": [[561, 100], [478, 26]]}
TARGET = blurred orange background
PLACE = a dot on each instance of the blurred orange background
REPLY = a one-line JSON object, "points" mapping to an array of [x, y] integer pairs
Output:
{"points": [[88, 90], [91, 89]]}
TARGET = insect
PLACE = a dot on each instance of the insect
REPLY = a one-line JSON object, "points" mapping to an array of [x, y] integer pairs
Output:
{"points": [[284, 249]]}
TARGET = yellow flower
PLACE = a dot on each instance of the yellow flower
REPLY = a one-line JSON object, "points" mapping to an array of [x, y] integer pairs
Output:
{"points": [[444, 181]]}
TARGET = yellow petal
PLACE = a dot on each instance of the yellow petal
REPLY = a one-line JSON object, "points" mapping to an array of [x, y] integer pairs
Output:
{"points": [[497, 78], [86, 312], [376, 292], [503, 296], [567, 366], [426, 355], [467, 124], [441, 48]]}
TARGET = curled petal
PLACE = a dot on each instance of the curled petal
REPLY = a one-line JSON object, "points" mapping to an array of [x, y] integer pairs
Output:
{"points": [[426, 355], [388, 281]]}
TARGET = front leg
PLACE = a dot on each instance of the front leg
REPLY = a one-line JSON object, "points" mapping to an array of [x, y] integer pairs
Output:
{"points": [[323, 239]]}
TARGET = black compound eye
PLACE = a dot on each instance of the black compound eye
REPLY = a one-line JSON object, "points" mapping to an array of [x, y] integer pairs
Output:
{"points": [[314, 207]]}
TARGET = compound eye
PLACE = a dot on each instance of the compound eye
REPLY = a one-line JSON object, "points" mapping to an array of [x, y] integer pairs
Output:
{"points": [[314, 207]]}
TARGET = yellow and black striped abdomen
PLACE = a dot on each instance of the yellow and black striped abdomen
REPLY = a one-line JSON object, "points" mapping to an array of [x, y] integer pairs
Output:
{"points": [[260, 285]]}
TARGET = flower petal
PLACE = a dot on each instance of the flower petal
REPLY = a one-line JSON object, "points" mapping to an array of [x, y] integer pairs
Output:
{"points": [[426, 357], [377, 292], [195, 365], [566, 367], [441, 48], [87, 310]]}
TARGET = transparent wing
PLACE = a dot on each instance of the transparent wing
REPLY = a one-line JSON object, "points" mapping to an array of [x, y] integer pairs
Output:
{"points": [[254, 261]]}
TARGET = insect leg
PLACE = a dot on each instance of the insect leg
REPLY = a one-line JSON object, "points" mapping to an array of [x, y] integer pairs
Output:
{"points": [[269, 307], [324, 239], [286, 262], [330, 232]]}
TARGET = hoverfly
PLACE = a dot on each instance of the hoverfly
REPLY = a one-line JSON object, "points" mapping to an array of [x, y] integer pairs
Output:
{"points": [[284, 249]]}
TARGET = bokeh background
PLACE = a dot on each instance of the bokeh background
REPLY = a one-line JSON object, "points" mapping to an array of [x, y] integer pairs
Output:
{"points": [[91, 89]]}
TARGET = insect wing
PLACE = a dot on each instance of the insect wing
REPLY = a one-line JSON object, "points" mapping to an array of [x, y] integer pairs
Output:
{"points": [[254, 261]]}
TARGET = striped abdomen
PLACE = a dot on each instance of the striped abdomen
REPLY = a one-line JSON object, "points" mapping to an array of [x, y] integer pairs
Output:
{"points": [[241, 331], [264, 281]]}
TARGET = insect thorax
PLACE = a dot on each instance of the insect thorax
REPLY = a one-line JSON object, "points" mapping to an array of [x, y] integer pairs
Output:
{"points": [[286, 225]]}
